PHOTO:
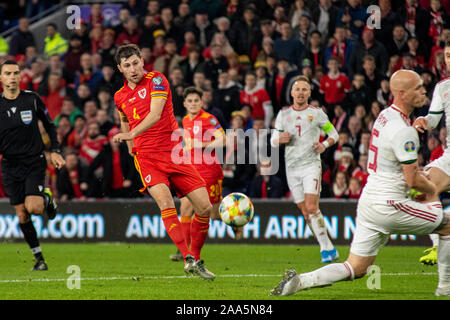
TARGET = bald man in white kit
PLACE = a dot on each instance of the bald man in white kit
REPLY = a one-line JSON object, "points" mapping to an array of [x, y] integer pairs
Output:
{"points": [[385, 207]]}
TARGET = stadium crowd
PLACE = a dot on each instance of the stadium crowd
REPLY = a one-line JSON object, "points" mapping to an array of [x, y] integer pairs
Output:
{"points": [[243, 55]]}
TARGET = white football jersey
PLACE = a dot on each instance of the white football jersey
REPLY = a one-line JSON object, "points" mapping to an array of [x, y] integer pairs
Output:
{"points": [[304, 127], [440, 103], [393, 142]]}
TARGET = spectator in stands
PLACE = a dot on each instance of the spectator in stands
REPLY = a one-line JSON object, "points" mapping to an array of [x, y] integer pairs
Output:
{"points": [[107, 47], [83, 95], [360, 172], [87, 73], [334, 85], [339, 185], [340, 118], [341, 48], [296, 10], [54, 94], [226, 96], [149, 60], [247, 111], [372, 76], [304, 28], [30, 55], [90, 110], [415, 19], [209, 106], [54, 42], [364, 143], [109, 79], [73, 56], [439, 150], [22, 38], [353, 17], [96, 16], [105, 124], [375, 109], [388, 20], [189, 42], [71, 178], [287, 46], [259, 99], [354, 127], [26, 75], [194, 63], [360, 113], [95, 36], [92, 144], [358, 93], [153, 10], [184, 19], [106, 102], [266, 185], [439, 20], [324, 16], [245, 34], [83, 32], [38, 81], [131, 33], [118, 168], [167, 24], [63, 130], [55, 65], [68, 109], [354, 189], [368, 46], [202, 28], [78, 133], [216, 65], [237, 176], [384, 96], [398, 43], [147, 30], [170, 60], [314, 51], [415, 52]]}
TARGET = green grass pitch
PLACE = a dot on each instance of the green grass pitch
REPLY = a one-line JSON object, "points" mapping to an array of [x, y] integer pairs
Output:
{"points": [[244, 272]]}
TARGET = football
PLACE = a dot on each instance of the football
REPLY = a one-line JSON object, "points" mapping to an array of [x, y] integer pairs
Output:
{"points": [[236, 209]]}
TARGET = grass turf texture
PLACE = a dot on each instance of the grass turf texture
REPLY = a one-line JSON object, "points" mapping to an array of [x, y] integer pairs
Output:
{"points": [[244, 272]]}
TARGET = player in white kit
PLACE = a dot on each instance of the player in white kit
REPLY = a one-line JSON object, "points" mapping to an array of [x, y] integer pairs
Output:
{"points": [[384, 207], [298, 127], [439, 169]]}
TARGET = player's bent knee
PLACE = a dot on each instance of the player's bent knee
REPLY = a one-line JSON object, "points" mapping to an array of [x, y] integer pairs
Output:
{"points": [[204, 209]]}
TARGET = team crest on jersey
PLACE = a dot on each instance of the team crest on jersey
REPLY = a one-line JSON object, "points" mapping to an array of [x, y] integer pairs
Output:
{"points": [[142, 93], [213, 121], [410, 146], [148, 178], [310, 117], [196, 129], [157, 80], [26, 116]]}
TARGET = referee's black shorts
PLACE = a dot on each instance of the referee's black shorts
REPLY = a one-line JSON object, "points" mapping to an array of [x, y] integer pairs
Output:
{"points": [[24, 177]]}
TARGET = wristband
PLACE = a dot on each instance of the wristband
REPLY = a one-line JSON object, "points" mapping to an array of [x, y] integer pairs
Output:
{"points": [[326, 144]]}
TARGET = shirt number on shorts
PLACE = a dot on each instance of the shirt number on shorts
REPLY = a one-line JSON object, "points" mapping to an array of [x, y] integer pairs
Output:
{"points": [[373, 149]]}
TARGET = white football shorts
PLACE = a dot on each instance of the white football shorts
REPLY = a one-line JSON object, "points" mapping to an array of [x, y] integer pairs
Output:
{"points": [[376, 221], [306, 179]]}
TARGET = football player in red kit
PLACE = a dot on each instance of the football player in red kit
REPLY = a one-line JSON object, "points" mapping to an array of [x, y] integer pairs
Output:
{"points": [[202, 134], [147, 122]]}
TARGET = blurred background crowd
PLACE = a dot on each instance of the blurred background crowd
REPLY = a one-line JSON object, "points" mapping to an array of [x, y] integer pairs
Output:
{"points": [[244, 56]]}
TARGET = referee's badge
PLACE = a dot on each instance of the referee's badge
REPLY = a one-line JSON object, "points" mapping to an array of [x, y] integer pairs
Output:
{"points": [[26, 116]]}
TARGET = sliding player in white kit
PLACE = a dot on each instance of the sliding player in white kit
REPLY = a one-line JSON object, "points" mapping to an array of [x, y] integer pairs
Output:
{"points": [[384, 207], [298, 127], [439, 169]]}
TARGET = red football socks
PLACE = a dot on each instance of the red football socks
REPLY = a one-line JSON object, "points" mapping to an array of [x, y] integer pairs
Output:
{"points": [[186, 227], [174, 229], [199, 232]]}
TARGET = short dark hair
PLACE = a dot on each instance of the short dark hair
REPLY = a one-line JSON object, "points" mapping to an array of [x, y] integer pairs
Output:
{"points": [[192, 90], [447, 44], [7, 62], [127, 51]]}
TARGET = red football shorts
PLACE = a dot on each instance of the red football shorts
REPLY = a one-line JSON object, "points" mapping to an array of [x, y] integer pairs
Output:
{"points": [[158, 168]]}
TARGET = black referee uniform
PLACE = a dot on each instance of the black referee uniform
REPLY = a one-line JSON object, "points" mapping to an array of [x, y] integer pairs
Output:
{"points": [[24, 164]]}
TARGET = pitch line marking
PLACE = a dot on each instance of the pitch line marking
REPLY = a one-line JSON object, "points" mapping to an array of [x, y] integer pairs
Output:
{"points": [[137, 278]]}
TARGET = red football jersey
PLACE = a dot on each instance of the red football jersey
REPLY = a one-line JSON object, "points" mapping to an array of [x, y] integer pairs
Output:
{"points": [[134, 104], [334, 89], [207, 164], [257, 98]]}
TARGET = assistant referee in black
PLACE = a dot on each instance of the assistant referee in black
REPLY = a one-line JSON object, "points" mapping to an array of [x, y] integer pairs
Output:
{"points": [[24, 164]]}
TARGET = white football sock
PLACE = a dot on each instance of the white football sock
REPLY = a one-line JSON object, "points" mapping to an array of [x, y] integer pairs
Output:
{"points": [[317, 225], [435, 239], [444, 261], [327, 275]]}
